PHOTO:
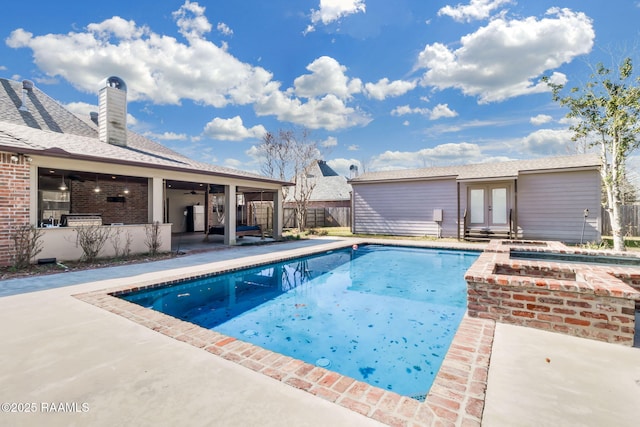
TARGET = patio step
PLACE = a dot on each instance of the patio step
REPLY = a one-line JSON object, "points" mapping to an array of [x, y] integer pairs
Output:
{"points": [[483, 234]]}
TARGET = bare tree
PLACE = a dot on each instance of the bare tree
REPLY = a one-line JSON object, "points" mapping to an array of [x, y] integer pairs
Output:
{"points": [[289, 156]]}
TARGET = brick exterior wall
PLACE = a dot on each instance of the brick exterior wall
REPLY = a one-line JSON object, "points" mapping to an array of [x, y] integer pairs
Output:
{"points": [[585, 300], [14, 203], [132, 211]]}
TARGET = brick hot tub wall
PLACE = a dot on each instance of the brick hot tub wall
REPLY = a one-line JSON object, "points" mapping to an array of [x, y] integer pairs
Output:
{"points": [[595, 301]]}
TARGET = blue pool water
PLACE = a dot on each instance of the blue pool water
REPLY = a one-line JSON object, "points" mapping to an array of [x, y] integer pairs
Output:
{"points": [[380, 314]]}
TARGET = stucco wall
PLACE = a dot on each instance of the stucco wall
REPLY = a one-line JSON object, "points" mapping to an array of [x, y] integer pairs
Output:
{"points": [[61, 242]]}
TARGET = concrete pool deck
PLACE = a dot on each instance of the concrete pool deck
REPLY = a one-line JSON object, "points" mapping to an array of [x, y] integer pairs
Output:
{"points": [[57, 349]]}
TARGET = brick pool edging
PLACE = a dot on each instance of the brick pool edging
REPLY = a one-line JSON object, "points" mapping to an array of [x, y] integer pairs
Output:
{"points": [[456, 397]]}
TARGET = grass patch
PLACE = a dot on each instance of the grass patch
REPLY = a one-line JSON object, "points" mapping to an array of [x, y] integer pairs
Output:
{"points": [[631, 243], [346, 232]]}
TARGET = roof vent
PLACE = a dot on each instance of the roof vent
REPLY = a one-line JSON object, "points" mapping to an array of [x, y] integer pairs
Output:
{"points": [[27, 86]]}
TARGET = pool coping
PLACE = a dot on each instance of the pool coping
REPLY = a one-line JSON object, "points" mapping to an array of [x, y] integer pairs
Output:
{"points": [[456, 396]]}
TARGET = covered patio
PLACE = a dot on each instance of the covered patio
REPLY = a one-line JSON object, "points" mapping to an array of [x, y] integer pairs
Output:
{"points": [[191, 209]]}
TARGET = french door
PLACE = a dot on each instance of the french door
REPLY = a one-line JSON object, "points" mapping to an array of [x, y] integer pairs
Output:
{"points": [[489, 206]]}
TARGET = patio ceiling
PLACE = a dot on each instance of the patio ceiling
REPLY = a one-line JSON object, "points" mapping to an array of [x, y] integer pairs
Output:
{"points": [[50, 179]]}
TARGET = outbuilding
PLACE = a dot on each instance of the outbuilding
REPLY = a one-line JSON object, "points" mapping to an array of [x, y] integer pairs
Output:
{"points": [[553, 198]]}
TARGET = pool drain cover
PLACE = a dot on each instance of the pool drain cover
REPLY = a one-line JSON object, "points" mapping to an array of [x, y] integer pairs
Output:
{"points": [[323, 362]]}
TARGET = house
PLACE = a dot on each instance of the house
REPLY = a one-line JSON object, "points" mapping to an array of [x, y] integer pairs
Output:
{"points": [[58, 171], [329, 202], [556, 198]]}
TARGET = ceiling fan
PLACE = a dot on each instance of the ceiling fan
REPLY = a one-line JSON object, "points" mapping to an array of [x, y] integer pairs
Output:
{"points": [[193, 192]]}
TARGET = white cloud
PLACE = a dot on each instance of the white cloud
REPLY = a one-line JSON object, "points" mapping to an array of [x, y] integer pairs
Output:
{"points": [[166, 136], [439, 111], [327, 77], [503, 59], [81, 109], [232, 130], [191, 20], [540, 119], [405, 109], [332, 10], [549, 142], [353, 147], [328, 112], [156, 67], [3, 68], [117, 27], [224, 29], [331, 141], [163, 70], [440, 155], [343, 166], [383, 88], [476, 9]]}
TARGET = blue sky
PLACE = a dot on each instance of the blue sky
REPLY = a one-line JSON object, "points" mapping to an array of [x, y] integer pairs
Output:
{"points": [[383, 84]]}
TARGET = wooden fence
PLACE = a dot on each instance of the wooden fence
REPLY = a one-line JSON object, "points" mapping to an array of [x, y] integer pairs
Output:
{"points": [[630, 221], [320, 217]]}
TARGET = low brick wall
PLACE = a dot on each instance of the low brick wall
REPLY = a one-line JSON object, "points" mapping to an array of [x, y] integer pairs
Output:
{"points": [[596, 301]]}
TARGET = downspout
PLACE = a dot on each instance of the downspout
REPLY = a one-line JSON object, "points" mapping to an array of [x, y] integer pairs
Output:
{"points": [[458, 213], [515, 220], [353, 212]]}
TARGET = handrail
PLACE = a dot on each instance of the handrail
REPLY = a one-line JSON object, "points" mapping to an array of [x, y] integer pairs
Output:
{"points": [[510, 224], [464, 224]]}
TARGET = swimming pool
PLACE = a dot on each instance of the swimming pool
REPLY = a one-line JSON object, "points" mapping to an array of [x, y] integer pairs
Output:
{"points": [[380, 314]]}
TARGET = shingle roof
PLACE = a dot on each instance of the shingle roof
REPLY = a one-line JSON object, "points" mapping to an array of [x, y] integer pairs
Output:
{"points": [[509, 169], [329, 185], [44, 112], [51, 129]]}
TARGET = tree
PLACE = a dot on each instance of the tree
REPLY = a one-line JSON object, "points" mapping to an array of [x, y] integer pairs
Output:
{"points": [[607, 114], [289, 156]]}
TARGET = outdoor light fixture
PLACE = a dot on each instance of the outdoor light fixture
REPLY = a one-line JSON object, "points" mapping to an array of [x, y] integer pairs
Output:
{"points": [[126, 187], [96, 189], [15, 158], [63, 185]]}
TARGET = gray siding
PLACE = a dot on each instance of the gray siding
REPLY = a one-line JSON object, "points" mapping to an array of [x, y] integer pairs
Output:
{"points": [[551, 206], [405, 208]]}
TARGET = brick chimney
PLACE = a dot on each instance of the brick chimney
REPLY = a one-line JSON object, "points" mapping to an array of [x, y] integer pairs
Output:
{"points": [[112, 116]]}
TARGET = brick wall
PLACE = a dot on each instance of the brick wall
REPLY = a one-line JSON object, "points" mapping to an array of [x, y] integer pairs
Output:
{"points": [[586, 315], [133, 210], [596, 301], [14, 203]]}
